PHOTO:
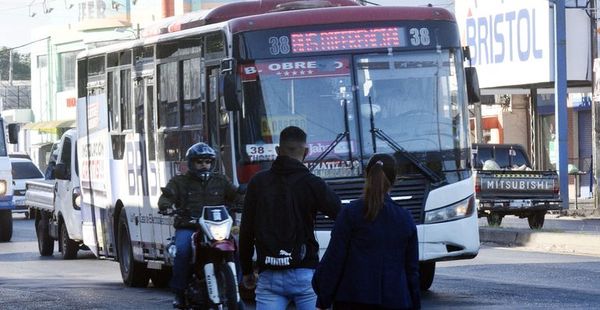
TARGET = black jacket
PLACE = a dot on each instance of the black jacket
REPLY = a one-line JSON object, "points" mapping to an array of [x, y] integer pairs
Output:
{"points": [[311, 194], [193, 194]]}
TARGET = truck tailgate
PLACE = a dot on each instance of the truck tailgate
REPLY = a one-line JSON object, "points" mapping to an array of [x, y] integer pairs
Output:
{"points": [[40, 194], [506, 184]]}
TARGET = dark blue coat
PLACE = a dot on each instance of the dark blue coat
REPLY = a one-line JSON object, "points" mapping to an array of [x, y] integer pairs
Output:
{"points": [[374, 262]]}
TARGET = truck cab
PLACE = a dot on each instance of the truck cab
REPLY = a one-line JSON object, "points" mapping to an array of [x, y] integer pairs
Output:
{"points": [[56, 202]]}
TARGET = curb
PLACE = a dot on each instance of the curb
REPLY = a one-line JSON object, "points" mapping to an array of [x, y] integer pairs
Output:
{"points": [[572, 243]]}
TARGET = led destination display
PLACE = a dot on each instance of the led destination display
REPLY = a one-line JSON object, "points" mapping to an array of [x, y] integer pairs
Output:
{"points": [[335, 40]]}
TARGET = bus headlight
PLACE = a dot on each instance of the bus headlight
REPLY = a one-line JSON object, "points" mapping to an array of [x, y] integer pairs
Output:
{"points": [[2, 187], [461, 209]]}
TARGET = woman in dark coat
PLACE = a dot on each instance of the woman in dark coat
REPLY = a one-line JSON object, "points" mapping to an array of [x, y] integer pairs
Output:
{"points": [[372, 261]]}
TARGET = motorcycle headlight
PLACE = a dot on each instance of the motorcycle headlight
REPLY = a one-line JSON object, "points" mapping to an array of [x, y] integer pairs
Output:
{"points": [[220, 231], [2, 187], [172, 249], [461, 209]]}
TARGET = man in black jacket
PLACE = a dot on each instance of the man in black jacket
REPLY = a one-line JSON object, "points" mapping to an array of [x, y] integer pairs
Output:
{"points": [[200, 186], [280, 208]]}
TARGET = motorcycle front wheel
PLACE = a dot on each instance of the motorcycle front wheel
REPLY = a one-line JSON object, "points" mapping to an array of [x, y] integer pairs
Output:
{"points": [[227, 286]]}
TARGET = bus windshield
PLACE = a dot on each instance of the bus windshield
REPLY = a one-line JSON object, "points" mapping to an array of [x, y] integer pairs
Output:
{"points": [[416, 99], [311, 93]]}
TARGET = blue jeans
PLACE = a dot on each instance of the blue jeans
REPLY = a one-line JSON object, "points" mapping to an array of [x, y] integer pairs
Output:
{"points": [[276, 288], [183, 258]]}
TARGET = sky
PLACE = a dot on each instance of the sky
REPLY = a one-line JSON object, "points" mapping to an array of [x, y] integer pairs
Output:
{"points": [[16, 23]]}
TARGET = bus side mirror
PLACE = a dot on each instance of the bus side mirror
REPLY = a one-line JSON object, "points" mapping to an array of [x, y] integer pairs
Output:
{"points": [[13, 133], [473, 91], [228, 86]]}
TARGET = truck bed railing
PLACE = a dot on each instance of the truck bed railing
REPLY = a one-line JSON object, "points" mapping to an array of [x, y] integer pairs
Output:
{"points": [[40, 194]]}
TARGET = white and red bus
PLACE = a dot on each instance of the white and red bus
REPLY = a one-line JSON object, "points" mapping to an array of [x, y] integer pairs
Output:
{"points": [[359, 80]]}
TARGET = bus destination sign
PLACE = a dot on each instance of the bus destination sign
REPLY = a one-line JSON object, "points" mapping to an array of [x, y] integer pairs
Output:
{"points": [[351, 39]]}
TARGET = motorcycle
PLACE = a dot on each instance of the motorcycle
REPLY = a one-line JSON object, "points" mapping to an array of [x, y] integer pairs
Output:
{"points": [[213, 284]]}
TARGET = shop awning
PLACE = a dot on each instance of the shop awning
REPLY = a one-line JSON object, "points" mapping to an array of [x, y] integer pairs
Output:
{"points": [[50, 126]]}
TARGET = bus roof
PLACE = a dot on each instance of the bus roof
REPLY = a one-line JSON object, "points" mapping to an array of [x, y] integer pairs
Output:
{"points": [[346, 11], [337, 15]]}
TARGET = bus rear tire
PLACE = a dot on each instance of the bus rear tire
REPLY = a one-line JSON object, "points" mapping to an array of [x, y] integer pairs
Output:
{"points": [[134, 273], [427, 271], [6, 225]]}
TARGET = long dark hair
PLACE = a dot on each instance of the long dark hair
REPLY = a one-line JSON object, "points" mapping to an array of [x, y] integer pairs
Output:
{"points": [[381, 174]]}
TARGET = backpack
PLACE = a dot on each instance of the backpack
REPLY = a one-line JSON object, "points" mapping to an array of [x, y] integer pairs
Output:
{"points": [[280, 232]]}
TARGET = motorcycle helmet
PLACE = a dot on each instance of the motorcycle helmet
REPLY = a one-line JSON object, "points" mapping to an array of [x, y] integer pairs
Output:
{"points": [[200, 150]]}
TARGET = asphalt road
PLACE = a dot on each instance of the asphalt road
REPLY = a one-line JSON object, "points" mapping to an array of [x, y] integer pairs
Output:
{"points": [[496, 279]]}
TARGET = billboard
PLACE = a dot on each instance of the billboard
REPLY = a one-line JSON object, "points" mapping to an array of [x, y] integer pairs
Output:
{"points": [[510, 40]]}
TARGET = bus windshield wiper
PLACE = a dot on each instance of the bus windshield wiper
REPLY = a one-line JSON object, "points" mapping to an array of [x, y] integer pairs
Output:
{"points": [[434, 177], [379, 133], [336, 141]]}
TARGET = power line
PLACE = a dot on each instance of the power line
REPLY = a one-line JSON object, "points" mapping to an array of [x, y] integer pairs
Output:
{"points": [[28, 43]]}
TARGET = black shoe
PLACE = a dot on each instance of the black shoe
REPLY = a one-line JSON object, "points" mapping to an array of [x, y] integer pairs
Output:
{"points": [[179, 301]]}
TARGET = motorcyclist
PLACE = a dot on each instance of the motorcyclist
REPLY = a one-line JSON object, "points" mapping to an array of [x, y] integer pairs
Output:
{"points": [[189, 192]]}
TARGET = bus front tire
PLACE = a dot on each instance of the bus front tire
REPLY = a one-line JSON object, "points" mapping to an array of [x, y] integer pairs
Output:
{"points": [[427, 272], [134, 273]]}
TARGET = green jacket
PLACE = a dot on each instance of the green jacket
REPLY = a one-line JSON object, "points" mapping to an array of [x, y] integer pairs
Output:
{"points": [[192, 194]]}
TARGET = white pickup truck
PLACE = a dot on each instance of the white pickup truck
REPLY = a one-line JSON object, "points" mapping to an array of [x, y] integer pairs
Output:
{"points": [[56, 203]]}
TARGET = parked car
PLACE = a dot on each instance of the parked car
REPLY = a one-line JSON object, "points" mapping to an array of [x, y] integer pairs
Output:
{"points": [[23, 170]]}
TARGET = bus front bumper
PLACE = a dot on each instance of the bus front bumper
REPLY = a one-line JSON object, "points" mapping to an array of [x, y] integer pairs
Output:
{"points": [[452, 240]]}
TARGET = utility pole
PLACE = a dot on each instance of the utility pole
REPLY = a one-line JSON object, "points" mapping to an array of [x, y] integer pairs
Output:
{"points": [[595, 108], [10, 67], [560, 98]]}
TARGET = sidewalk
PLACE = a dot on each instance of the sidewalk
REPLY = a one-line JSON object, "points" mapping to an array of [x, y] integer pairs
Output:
{"points": [[581, 208], [563, 232]]}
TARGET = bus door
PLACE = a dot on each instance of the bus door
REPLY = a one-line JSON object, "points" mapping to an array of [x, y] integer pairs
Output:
{"points": [[144, 157], [218, 122]]}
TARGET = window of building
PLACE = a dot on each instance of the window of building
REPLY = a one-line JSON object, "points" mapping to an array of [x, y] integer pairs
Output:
{"points": [[66, 70]]}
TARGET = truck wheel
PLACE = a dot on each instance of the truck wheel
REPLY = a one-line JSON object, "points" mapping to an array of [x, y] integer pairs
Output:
{"points": [[6, 225], [68, 247], [494, 219], [134, 274], [536, 219], [160, 278], [427, 271], [45, 242]]}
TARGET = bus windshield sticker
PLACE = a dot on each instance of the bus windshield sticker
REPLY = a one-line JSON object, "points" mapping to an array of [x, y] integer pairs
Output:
{"points": [[337, 169], [273, 125], [297, 68], [317, 148], [360, 38], [261, 152]]}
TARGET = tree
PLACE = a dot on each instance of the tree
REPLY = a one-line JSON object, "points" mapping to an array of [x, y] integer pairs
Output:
{"points": [[21, 65]]}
